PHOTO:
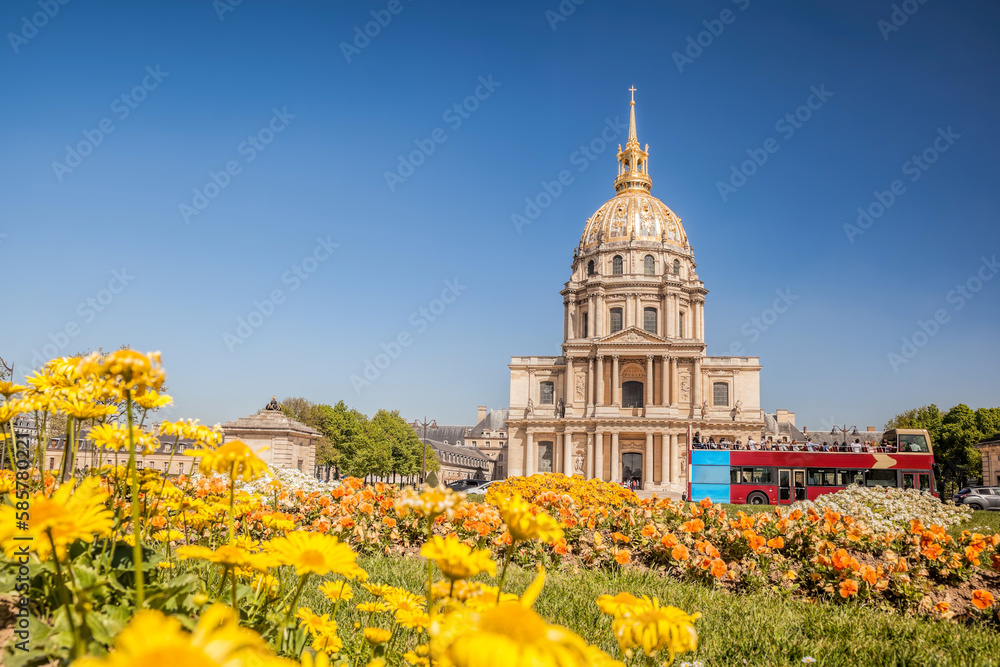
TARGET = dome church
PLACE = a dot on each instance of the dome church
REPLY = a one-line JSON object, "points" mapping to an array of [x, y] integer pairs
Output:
{"points": [[634, 378]]}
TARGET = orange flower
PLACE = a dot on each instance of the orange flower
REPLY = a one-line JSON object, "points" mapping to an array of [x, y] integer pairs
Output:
{"points": [[680, 552], [718, 568], [618, 537], [867, 573], [754, 540], [693, 526], [669, 541], [389, 522], [648, 530], [848, 588], [942, 607], [841, 559], [706, 502], [982, 599], [560, 546], [776, 543], [933, 552], [623, 556]]}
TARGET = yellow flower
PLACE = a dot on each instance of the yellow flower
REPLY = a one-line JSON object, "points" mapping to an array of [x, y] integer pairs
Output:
{"points": [[457, 560], [372, 607], [431, 502], [8, 388], [316, 553], [233, 458], [336, 590], [524, 525], [153, 638], [151, 400], [226, 555], [66, 515], [509, 635], [376, 636], [207, 436], [115, 438], [647, 625], [124, 370]]}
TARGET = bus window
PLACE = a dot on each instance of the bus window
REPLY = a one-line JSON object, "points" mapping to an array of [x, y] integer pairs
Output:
{"points": [[913, 442], [907, 480], [747, 476], [880, 478], [925, 481], [734, 475], [762, 476], [829, 478]]}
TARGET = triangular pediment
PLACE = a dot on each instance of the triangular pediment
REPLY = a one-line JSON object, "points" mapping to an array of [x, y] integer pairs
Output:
{"points": [[632, 335]]}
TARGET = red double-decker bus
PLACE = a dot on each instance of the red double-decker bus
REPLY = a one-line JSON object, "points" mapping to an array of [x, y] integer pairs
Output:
{"points": [[903, 459]]}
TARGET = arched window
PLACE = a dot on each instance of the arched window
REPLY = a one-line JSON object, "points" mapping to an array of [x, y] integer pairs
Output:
{"points": [[680, 325], [720, 393], [616, 319], [617, 266], [649, 320], [649, 265], [677, 267], [590, 268], [547, 393], [631, 394]]}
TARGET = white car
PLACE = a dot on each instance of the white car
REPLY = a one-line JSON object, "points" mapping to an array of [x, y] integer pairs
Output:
{"points": [[481, 488]]}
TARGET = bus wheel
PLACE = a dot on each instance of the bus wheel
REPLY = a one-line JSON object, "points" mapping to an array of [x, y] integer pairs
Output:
{"points": [[757, 499]]}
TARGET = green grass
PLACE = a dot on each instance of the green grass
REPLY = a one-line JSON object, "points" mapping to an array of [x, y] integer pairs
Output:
{"points": [[763, 629], [981, 522]]}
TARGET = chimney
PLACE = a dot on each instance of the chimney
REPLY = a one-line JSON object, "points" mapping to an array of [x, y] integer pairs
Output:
{"points": [[480, 413], [784, 417], [805, 429], [871, 429]]}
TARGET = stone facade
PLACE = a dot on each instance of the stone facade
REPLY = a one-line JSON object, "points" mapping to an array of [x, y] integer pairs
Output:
{"points": [[634, 376], [471, 452], [290, 444], [990, 451]]}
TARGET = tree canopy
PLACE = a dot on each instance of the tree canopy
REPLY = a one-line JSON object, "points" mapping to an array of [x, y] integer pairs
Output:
{"points": [[353, 444], [954, 433]]}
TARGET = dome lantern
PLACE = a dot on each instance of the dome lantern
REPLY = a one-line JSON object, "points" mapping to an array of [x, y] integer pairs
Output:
{"points": [[633, 162]]}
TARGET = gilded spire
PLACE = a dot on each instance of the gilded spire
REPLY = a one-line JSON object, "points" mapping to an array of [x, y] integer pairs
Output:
{"points": [[631, 119], [633, 171]]}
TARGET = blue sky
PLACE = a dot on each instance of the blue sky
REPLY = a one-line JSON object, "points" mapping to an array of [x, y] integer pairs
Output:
{"points": [[105, 240]]}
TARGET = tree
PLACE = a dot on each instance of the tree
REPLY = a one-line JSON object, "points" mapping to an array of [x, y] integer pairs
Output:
{"points": [[928, 417]]}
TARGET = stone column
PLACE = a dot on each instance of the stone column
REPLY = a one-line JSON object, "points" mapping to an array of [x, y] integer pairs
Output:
{"points": [[567, 454], [589, 468], [647, 463], [569, 391], [591, 388], [665, 461], [615, 385], [531, 388], [665, 388], [701, 321], [675, 469], [567, 326], [674, 382], [614, 458], [530, 458], [599, 398], [649, 381], [598, 316], [591, 331], [696, 386], [599, 455]]}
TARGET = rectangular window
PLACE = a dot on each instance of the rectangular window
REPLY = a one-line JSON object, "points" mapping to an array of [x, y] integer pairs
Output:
{"points": [[830, 478], [880, 478], [734, 475], [586, 333], [814, 477], [616, 319], [545, 452], [680, 325], [720, 393], [547, 393], [912, 443], [762, 476], [649, 320]]}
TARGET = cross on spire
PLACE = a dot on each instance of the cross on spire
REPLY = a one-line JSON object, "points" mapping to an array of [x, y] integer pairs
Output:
{"points": [[633, 89]]}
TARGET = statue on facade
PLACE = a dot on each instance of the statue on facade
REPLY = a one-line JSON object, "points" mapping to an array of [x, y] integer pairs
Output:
{"points": [[704, 409], [531, 408], [273, 405], [738, 410], [560, 408], [578, 464]]}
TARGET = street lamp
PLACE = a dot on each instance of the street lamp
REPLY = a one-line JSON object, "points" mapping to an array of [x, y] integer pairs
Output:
{"points": [[843, 429], [416, 425]]}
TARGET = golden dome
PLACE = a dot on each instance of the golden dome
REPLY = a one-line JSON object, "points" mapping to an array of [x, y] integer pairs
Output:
{"points": [[633, 214]]}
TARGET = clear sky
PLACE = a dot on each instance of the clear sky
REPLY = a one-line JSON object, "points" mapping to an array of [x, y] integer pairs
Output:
{"points": [[168, 168]]}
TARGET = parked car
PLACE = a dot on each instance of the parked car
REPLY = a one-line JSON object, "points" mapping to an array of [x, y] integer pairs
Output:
{"points": [[483, 486], [465, 484], [979, 497]]}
